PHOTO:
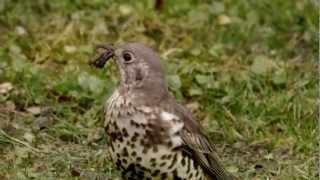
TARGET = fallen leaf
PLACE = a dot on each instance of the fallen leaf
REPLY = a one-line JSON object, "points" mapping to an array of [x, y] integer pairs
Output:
{"points": [[125, 9], [174, 81], [232, 169], [15, 49], [29, 137], [10, 105], [268, 156], [202, 79], [262, 65], [195, 51], [217, 7], [95, 135], [280, 77], [70, 49], [224, 19], [216, 50], [90, 82], [193, 106], [195, 91], [35, 110], [5, 87], [20, 30]]}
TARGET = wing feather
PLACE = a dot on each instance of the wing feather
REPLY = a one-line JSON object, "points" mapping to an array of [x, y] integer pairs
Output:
{"points": [[196, 143]]}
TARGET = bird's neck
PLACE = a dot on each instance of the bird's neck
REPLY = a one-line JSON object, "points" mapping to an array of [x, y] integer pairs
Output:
{"points": [[146, 94]]}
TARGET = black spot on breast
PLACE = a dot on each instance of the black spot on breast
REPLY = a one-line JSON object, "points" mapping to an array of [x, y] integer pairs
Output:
{"points": [[115, 126], [144, 169], [163, 157], [125, 152], [155, 136], [134, 153], [106, 128], [190, 175], [174, 159], [132, 123], [112, 146], [139, 159], [135, 124], [155, 148], [140, 174], [197, 173], [113, 136], [145, 150], [151, 126], [111, 114], [120, 138], [153, 162], [169, 156], [124, 161], [130, 168], [189, 164], [118, 163], [164, 176], [125, 133], [155, 173], [162, 164], [135, 137], [143, 142], [183, 161], [175, 175], [169, 144]]}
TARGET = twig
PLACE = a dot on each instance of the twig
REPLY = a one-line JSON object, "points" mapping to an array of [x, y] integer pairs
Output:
{"points": [[229, 114], [20, 142]]}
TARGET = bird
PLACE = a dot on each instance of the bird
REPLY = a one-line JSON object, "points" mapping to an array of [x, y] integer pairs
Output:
{"points": [[150, 134]]}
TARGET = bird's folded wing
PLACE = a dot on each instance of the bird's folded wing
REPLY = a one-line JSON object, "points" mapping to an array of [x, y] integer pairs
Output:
{"points": [[197, 145]]}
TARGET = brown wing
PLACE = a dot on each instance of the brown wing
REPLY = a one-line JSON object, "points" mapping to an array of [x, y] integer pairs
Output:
{"points": [[197, 145]]}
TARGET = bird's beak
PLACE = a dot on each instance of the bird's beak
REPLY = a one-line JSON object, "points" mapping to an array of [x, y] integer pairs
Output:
{"points": [[104, 53]]}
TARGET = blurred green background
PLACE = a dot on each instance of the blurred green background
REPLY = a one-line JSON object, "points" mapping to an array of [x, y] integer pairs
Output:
{"points": [[247, 69]]}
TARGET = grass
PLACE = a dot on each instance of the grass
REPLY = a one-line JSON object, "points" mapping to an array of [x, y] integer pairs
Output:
{"points": [[247, 69]]}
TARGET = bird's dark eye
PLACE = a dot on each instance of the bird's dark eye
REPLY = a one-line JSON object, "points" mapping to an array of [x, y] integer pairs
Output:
{"points": [[127, 57]]}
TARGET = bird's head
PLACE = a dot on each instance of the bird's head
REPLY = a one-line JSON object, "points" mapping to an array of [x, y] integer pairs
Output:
{"points": [[139, 66]]}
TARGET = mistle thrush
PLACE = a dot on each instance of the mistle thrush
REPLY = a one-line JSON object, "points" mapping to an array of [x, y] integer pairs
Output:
{"points": [[152, 136]]}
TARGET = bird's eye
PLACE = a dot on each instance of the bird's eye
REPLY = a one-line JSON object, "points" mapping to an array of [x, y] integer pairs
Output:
{"points": [[127, 57]]}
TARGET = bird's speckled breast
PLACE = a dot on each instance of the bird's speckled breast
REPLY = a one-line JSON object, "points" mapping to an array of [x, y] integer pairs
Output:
{"points": [[142, 149]]}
